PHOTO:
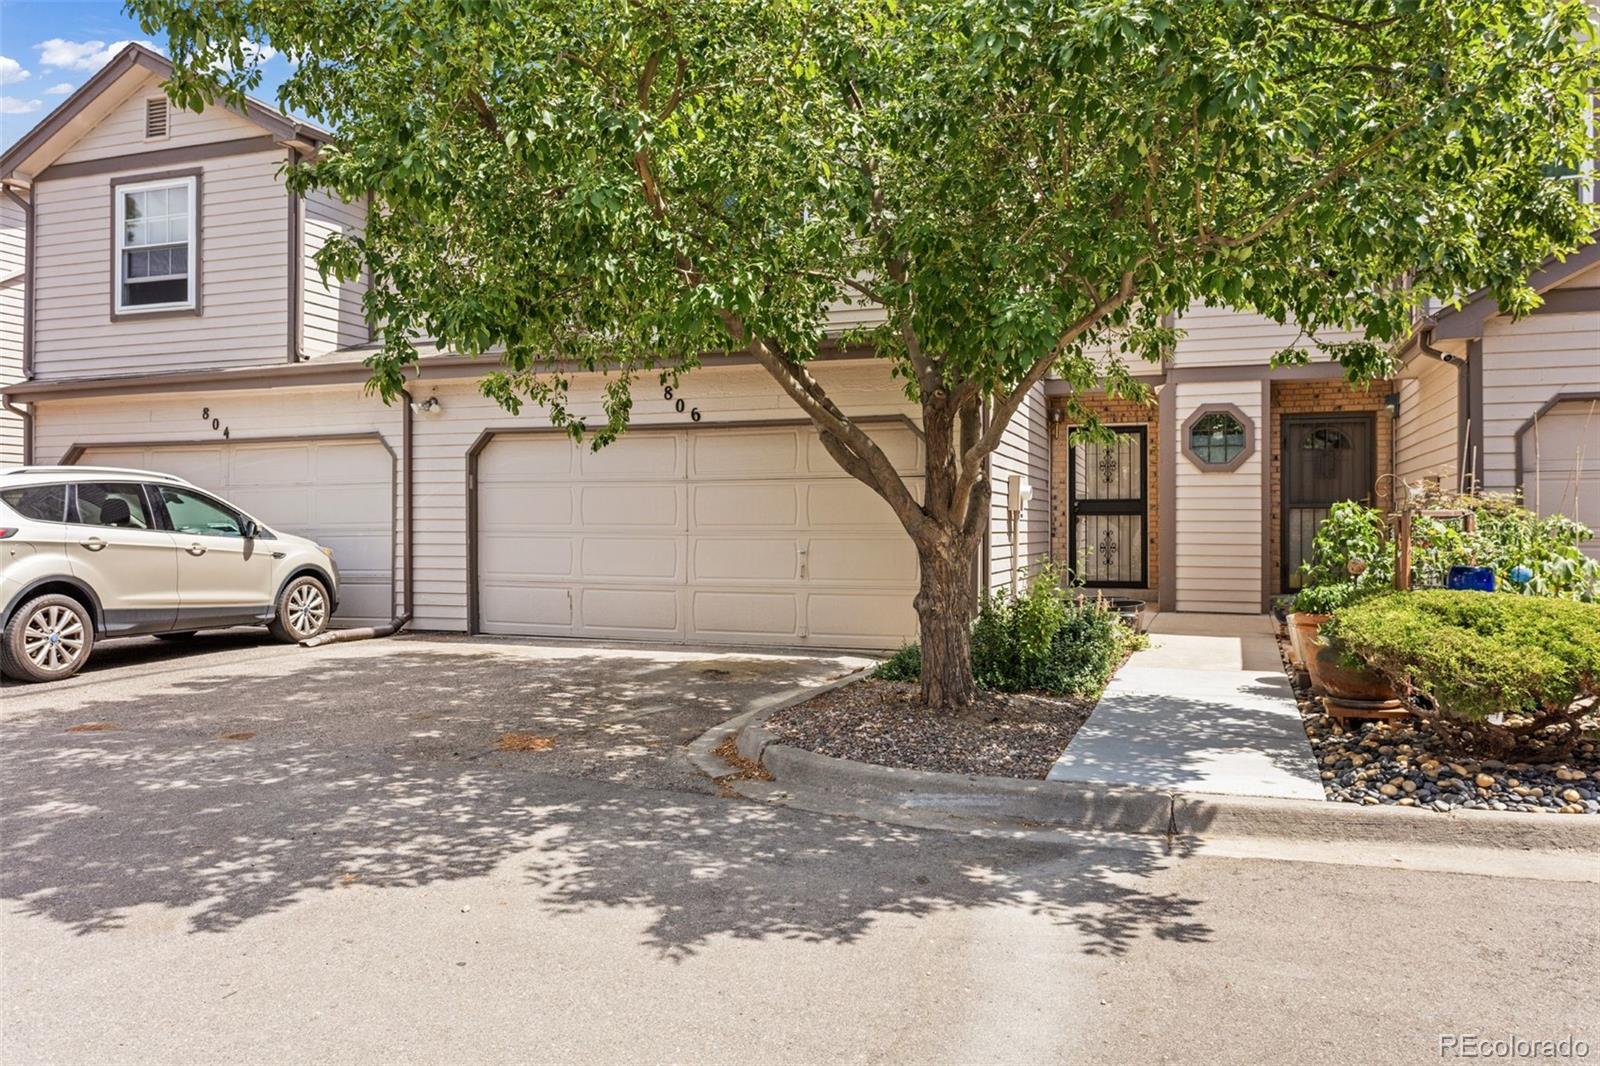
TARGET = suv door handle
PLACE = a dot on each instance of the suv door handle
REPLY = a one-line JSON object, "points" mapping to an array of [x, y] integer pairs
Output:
{"points": [[195, 549], [94, 544]]}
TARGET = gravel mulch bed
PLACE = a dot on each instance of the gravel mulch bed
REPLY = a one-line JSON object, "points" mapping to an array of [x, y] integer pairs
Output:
{"points": [[1404, 763], [1008, 735]]}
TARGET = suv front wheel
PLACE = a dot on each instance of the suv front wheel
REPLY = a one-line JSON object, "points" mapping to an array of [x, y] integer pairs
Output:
{"points": [[303, 610], [49, 638]]}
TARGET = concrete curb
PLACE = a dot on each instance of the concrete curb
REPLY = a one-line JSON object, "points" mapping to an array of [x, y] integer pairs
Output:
{"points": [[753, 734], [1109, 808]]}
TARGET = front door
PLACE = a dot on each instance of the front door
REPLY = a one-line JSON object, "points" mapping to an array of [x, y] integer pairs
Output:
{"points": [[1326, 459], [1109, 504]]}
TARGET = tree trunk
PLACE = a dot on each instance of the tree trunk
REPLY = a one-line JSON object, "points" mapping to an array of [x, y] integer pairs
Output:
{"points": [[944, 606]]}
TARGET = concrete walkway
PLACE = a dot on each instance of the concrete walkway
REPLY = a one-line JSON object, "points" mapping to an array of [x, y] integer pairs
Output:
{"points": [[1206, 708]]}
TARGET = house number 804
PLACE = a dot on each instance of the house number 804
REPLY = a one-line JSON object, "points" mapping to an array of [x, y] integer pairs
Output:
{"points": [[216, 423]]}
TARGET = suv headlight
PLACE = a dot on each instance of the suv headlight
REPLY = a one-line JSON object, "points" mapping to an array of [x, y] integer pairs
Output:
{"points": [[325, 550]]}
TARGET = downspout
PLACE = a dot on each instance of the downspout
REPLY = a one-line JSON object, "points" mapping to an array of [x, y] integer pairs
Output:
{"points": [[26, 416], [403, 619], [1464, 405]]}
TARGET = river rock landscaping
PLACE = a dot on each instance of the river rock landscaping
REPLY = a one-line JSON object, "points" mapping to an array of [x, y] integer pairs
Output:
{"points": [[1006, 735]]}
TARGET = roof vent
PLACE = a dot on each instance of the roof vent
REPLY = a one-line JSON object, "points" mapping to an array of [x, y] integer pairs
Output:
{"points": [[155, 118]]}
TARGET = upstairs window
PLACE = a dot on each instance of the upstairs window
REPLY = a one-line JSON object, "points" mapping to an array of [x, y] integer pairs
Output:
{"points": [[155, 225]]}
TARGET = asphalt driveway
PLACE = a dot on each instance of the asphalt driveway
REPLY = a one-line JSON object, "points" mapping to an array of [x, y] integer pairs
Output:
{"points": [[239, 852], [617, 712]]}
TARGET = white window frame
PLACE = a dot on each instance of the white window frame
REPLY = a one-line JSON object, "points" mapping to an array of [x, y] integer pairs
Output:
{"points": [[119, 231]]}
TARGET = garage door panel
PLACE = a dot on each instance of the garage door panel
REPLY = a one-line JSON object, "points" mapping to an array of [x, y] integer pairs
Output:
{"points": [[337, 493], [745, 614], [511, 554], [529, 507], [632, 506], [1561, 465], [532, 459], [273, 466], [756, 505], [744, 454], [872, 560], [865, 619], [650, 558], [521, 608], [641, 612], [846, 504], [763, 559], [899, 444], [642, 455]]}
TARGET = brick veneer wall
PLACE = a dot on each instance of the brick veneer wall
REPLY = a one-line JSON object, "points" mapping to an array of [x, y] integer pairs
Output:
{"points": [[1111, 412], [1326, 397]]}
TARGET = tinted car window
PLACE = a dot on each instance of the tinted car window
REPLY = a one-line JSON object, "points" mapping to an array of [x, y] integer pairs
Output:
{"points": [[190, 512], [116, 504], [44, 503]]}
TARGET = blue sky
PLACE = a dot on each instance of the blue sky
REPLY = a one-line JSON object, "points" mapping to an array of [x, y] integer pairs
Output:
{"points": [[49, 47]]}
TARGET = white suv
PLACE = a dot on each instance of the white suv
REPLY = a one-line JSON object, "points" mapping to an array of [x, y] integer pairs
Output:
{"points": [[88, 552]]}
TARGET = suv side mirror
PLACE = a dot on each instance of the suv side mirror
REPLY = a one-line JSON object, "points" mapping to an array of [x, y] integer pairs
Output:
{"points": [[249, 530]]}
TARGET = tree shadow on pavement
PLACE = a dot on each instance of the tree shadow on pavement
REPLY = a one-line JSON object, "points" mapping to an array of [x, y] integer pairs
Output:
{"points": [[162, 810]]}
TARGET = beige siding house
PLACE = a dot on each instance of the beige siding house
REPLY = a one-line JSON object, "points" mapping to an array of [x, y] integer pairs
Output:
{"points": [[160, 308]]}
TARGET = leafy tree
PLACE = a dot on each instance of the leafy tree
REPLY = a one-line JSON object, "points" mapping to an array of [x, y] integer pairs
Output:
{"points": [[1023, 186]]}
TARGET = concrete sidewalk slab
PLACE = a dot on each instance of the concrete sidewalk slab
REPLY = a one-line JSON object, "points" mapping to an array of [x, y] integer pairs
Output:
{"points": [[1205, 709]]}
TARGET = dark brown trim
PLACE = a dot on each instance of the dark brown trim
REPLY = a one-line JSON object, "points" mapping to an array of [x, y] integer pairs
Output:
{"points": [[1466, 322], [1255, 372], [278, 125], [76, 449], [1369, 423], [1532, 420], [1220, 408], [28, 244], [1473, 381], [1167, 498], [1057, 387], [1267, 584], [486, 436], [1569, 302], [158, 157], [197, 234], [296, 302]]}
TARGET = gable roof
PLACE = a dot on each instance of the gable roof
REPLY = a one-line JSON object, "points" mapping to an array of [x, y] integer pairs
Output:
{"points": [[1467, 321], [100, 93]]}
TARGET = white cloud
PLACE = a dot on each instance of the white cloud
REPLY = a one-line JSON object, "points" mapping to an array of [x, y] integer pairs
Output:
{"points": [[256, 53], [11, 71], [16, 105], [59, 90], [81, 55]]}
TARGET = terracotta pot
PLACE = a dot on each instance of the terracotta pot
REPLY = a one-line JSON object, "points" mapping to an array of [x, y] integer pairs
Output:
{"points": [[1303, 640], [1339, 682]]}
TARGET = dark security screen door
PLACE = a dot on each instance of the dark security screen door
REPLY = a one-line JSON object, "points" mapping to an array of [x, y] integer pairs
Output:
{"points": [[1326, 459], [1109, 504]]}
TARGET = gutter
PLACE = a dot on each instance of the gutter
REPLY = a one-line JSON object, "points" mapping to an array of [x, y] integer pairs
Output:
{"points": [[407, 542]]}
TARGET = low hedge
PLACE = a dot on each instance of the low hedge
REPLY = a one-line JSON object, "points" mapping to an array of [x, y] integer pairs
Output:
{"points": [[1470, 655]]}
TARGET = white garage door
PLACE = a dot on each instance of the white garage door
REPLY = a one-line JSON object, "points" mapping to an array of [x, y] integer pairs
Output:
{"points": [[1561, 464], [738, 536], [337, 492]]}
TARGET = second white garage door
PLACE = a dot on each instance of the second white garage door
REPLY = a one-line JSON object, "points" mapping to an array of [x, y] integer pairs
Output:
{"points": [[339, 492], [738, 536], [1561, 465]]}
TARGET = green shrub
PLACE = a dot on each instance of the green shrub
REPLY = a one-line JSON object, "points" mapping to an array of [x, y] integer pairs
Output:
{"points": [[1043, 639], [1469, 655], [903, 665]]}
